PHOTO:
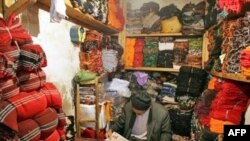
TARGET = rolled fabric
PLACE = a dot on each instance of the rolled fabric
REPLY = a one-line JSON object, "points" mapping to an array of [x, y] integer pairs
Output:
{"points": [[28, 105], [30, 81], [29, 130], [9, 88], [47, 122], [32, 57], [12, 30], [52, 95], [53, 137], [7, 66], [8, 118]]}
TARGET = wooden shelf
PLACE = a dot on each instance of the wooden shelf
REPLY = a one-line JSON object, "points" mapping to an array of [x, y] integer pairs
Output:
{"points": [[77, 17], [152, 69], [159, 35], [231, 76], [18, 7]]}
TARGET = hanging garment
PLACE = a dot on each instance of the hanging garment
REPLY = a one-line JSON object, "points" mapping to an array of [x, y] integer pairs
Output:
{"points": [[57, 11]]}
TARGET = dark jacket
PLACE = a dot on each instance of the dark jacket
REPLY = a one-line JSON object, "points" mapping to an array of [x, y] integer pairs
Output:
{"points": [[158, 129]]}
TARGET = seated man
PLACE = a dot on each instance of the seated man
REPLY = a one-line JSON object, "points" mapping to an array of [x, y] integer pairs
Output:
{"points": [[143, 120]]}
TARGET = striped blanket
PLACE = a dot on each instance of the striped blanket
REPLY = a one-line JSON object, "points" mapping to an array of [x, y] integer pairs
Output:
{"points": [[11, 30]]}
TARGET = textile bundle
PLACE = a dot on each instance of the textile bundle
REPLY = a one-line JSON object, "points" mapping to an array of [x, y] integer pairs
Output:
{"points": [[11, 30], [30, 81], [24, 95], [180, 52], [245, 62], [181, 118], [150, 54], [202, 108], [230, 102], [115, 17], [129, 52], [9, 88], [32, 57], [190, 81], [194, 56], [138, 55], [21, 107], [7, 66], [11, 50]]}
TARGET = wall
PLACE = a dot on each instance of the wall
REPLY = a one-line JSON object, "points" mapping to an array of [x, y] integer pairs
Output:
{"points": [[62, 56]]}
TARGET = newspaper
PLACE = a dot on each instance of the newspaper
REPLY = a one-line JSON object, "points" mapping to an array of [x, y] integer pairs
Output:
{"points": [[116, 137]]}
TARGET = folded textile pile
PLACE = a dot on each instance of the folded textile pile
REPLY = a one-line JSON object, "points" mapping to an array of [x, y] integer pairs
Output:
{"points": [[245, 62], [30, 107], [192, 18], [194, 56], [150, 54], [129, 52], [138, 55]]}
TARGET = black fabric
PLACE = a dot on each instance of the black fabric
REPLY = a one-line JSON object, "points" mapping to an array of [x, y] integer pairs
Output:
{"points": [[181, 121], [190, 81], [165, 59], [141, 101], [169, 11]]}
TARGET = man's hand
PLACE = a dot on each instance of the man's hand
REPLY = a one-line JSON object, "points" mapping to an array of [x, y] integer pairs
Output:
{"points": [[109, 134]]}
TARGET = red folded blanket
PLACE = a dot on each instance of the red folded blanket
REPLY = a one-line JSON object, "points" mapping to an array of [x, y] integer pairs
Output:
{"points": [[47, 121], [28, 104], [9, 88], [11, 30], [53, 96], [53, 137], [7, 66], [29, 130], [30, 81], [11, 50], [8, 115], [32, 57]]}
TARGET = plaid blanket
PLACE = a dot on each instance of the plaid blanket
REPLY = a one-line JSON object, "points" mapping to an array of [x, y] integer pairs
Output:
{"points": [[30, 81], [29, 130], [7, 66], [9, 88], [53, 137], [24, 104], [11, 30], [47, 121], [11, 50], [32, 57], [52, 95]]}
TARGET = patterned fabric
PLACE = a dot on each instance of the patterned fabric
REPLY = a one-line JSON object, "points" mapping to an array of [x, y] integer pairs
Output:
{"points": [[109, 60], [11, 50], [8, 119], [32, 57], [11, 30], [29, 130], [115, 17], [29, 81], [24, 104], [190, 81], [165, 59], [52, 95], [47, 121], [9, 88], [138, 55], [180, 52], [7, 66], [129, 52], [150, 54]]}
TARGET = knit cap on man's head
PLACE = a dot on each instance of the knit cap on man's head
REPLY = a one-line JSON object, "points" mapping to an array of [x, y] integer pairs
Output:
{"points": [[141, 101]]}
